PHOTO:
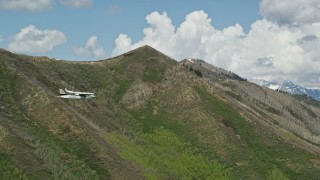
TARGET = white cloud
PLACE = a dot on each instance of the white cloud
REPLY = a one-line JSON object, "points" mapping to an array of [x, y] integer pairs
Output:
{"points": [[123, 44], [269, 49], [92, 49], [26, 5], [291, 11], [77, 3], [33, 40], [159, 34]]}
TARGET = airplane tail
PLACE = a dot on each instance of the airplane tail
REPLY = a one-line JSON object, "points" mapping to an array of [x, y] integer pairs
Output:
{"points": [[62, 92], [67, 90]]}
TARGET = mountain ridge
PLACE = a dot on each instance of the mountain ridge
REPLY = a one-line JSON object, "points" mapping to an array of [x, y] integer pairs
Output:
{"points": [[152, 118]]}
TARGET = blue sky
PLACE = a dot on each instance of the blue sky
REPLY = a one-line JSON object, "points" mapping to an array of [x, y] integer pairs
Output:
{"points": [[267, 39], [107, 19]]}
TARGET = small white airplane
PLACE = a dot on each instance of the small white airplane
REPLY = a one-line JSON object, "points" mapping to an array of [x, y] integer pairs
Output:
{"points": [[75, 95]]}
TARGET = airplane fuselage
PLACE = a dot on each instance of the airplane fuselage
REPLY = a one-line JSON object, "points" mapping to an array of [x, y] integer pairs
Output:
{"points": [[75, 95], [70, 96]]}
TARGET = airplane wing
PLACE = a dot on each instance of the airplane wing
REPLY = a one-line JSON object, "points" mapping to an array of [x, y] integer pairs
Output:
{"points": [[79, 93]]}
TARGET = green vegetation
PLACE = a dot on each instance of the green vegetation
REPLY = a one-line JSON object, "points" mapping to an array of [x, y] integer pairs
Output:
{"points": [[150, 121], [67, 157], [162, 155], [276, 174], [61, 164], [8, 170], [152, 74], [263, 154], [219, 107], [123, 86], [7, 83], [196, 71]]}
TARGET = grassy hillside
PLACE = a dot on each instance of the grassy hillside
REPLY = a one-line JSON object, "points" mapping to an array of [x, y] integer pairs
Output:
{"points": [[152, 119]]}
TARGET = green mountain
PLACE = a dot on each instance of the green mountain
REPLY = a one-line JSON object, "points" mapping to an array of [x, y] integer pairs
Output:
{"points": [[153, 118]]}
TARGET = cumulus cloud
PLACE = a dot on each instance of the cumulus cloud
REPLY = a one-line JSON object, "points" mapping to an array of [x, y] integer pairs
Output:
{"points": [[26, 5], [270, 50], [291, 11], [123, 44], [77, 3], [33, 40], [158, 34], [92, 49]]}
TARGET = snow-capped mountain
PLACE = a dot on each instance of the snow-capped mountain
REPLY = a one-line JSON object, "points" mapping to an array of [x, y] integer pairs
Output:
{"points": [[289, 87], [263, 83]]}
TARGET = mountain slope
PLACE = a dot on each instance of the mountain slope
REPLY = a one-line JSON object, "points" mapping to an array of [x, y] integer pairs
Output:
{"points": [[152, 118]]}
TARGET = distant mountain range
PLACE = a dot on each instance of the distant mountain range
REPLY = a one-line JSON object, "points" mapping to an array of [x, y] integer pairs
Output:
{"points": [[289, 87]]}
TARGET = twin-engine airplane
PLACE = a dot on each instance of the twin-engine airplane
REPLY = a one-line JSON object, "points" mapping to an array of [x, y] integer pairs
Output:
{"points": [[75, 95]]}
